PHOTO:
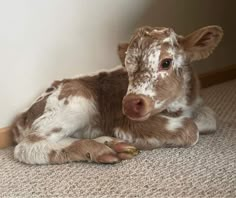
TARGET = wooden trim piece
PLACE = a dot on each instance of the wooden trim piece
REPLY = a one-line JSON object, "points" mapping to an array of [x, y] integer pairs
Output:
{"points": [[218, 76], [6, 138]]}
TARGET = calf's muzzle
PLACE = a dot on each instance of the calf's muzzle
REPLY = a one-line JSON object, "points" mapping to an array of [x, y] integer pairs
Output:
{"points": [[137, 107]]}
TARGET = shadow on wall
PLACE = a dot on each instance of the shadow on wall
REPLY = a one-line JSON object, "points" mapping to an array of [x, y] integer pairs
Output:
{"points": [[185, 16]]}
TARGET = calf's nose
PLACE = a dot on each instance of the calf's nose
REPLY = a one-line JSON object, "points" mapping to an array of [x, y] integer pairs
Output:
{"points": [[136, 105], [133, 106]]}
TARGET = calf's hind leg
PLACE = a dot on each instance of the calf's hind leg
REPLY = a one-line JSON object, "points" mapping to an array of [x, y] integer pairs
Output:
{"points": [[44, 132], [205, 119]]}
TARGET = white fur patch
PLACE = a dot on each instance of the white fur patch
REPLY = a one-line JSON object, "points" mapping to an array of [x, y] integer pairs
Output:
{"points": [[144, 143], [171, 39], [104, 139], [147, 88], [153, 58], [160, 30], [205, 119], [189, 110], [88, 132], [69, 117], [119, 133], [171, 51], [162, 74], [196, 139], [174, 123], [178, 104], [159, 104], [38, 152], [167, 40], [178, 61]]}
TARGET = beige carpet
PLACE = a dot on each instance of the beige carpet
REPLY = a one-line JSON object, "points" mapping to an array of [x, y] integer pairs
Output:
{"points": [[205, 170]]}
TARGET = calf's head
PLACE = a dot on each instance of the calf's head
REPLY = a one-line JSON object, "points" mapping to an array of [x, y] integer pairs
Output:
{"points": [[157, 61]]}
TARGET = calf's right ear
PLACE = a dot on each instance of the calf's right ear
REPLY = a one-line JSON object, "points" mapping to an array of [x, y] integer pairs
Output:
{"points": [[122, 48]]}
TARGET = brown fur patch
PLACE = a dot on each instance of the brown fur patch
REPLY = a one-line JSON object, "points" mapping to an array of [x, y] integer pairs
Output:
{"points": [[34, 112], [193, 88], [68, 154], [16, 133], [49, 89], [81, 150], [75, 87], [17, 122], [172, 114], [34, 138], [170, 87], [66, 102], [122, 48], [201, 43], [148, 34], [110, 90], [56, 130], [56, 83], [26, 119]]}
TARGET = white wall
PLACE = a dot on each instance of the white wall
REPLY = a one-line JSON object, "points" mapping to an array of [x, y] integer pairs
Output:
{"points": [[43, 40]]}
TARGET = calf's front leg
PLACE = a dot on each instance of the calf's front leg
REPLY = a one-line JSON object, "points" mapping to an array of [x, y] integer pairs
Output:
{"points": [[39, 150], [159, 131]]}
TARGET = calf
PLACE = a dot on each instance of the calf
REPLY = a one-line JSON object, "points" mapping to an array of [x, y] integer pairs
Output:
{"points": [[149, 102]]}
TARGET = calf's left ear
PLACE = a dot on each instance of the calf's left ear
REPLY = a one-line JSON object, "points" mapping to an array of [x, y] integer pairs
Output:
{"points": [[122, 48], [201, 43]]}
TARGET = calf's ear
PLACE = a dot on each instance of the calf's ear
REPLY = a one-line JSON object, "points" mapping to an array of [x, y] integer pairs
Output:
{"points": [[122, 48], [201, 43]]}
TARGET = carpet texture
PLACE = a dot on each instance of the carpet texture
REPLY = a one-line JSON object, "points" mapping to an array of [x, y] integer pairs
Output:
{"points": [[206, 170]]}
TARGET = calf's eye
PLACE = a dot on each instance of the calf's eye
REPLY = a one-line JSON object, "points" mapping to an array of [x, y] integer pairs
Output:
{"points": [[166, 63]]}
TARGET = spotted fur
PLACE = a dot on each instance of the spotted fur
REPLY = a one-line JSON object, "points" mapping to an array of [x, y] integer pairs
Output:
{"points": [[104, 117]]}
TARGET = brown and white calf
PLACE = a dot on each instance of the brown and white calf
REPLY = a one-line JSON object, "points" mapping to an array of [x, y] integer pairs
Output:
{"points": [[152, 101]]}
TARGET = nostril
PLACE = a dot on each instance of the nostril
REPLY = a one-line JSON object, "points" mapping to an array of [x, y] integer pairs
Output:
{"points": [[140, 103], [137, 105]]}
